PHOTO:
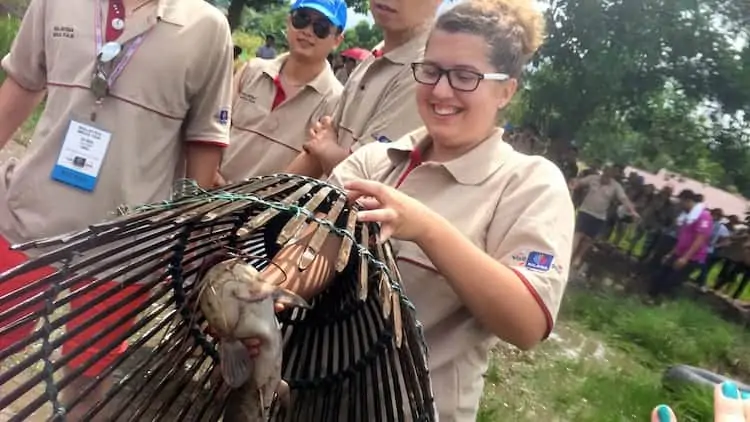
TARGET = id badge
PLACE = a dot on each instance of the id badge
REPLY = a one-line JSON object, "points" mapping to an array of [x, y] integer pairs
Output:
{"points": [[82, 155]]}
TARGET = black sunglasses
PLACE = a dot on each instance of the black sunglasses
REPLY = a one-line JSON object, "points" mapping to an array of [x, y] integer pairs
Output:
{"points": [[301, 19]]}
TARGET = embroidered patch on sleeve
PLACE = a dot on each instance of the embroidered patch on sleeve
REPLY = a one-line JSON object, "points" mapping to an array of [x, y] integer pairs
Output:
{"points": [[382, 139], [223, 116], [539, 261]]}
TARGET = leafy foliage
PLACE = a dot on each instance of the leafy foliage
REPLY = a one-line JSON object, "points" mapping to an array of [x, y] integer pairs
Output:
{"points": [[8, 28], [655, 83], [362, 35], [236, 8]]}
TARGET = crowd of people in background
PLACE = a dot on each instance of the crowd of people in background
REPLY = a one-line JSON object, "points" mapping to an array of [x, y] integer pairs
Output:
{"points": [[624, 214], [677, 236]]}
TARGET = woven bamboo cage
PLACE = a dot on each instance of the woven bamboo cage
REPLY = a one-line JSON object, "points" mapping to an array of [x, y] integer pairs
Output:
{"points": [[357, 355]]}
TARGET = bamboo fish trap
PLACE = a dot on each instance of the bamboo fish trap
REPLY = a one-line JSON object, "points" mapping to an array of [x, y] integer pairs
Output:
{"points": [[357, 355]]}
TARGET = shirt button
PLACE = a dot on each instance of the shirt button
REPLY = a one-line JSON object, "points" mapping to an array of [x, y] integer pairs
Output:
{"points": [[118, 24], [362, 87]]}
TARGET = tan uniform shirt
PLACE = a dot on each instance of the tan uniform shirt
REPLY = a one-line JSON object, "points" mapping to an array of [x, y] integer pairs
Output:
{"points": [[265, 141], [176, 88], [600, 196], [514, 207], [378, 103]]}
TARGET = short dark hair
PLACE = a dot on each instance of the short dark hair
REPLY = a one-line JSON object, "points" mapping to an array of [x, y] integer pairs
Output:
{"points": [[270, 37], [687, 194]]}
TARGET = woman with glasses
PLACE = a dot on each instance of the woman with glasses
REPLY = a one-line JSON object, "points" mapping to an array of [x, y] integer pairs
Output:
{"points": [[482, 232], [276, 101], [377, 104]]}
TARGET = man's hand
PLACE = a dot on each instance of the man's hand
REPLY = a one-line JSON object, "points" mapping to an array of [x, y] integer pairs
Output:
{"points": [[680, 263], [202, 162], [219, 180], [323, 144], [666, 258]]}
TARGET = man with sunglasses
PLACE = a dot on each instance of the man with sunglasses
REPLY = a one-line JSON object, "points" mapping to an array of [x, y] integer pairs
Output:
{"points": [[137, 93], [277, 101], [377, 104]]}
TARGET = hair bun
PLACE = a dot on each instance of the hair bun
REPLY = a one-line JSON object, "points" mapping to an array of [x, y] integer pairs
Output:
{"points": [[527, 14]]}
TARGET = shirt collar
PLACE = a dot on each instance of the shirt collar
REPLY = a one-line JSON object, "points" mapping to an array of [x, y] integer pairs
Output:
{"points": [[472, 168], [322, 83], [405, 54]]}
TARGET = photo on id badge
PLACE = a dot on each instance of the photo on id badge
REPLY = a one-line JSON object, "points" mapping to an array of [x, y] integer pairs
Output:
{"points": [[82, 154]]}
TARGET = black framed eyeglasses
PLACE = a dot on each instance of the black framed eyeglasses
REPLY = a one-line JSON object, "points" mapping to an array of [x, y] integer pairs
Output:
{"points": [[463, 80], [301, 19]]}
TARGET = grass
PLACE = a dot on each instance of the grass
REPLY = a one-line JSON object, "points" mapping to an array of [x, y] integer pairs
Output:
{"points": [[8, 28], [607, 362], [24, 133]]}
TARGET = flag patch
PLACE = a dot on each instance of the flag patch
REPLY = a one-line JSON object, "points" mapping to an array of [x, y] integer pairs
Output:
{"points": [[223, 116], [538, 261]]}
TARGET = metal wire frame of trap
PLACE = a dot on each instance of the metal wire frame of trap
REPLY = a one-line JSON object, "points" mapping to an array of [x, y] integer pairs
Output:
{"points": [[168, 370]]}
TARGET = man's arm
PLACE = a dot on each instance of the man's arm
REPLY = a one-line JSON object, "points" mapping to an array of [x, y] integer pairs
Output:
{"points": [[16, 105], [207, 124], [315, 279], [395, 115], [725, 238], [306, 165], [623, 198], [581, 182], [26, 70]]}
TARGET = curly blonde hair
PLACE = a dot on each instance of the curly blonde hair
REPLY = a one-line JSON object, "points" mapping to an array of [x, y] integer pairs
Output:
{"points": [[513, 29]]}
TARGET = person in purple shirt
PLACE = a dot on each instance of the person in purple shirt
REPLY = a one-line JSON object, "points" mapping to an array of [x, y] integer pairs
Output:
{"points": [[689, 254]]}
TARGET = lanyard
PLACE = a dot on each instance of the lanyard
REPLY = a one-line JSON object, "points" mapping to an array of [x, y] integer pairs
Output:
{"points": [[112, 77]]}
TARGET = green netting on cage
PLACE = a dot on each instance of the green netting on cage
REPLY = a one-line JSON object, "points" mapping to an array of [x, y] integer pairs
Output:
{"points": [[357, 354]]}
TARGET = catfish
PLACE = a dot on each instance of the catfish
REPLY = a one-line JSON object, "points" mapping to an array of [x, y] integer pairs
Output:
{"points": [[238, 305]]}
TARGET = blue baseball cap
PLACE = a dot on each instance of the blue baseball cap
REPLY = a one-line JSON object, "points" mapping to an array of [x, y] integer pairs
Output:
{"points": [[334, 10]]}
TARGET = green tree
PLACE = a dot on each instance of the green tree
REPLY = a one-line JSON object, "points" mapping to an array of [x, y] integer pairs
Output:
{"points": [[362, 35], [616, 53], [647, 82], [235, 8], [8, 28], [271, 21]]}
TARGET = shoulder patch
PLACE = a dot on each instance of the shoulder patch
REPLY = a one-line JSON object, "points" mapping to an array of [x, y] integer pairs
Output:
{"points": [[539, 261]]}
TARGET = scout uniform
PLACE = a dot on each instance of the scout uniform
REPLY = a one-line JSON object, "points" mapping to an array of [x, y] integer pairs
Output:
{"points": [[173, 86], [514, 207], [592, 215], [268, 129], [378, 102]]}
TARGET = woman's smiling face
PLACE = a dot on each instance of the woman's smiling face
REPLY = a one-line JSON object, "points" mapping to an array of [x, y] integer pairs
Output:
{"points": [[457, 119]]}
